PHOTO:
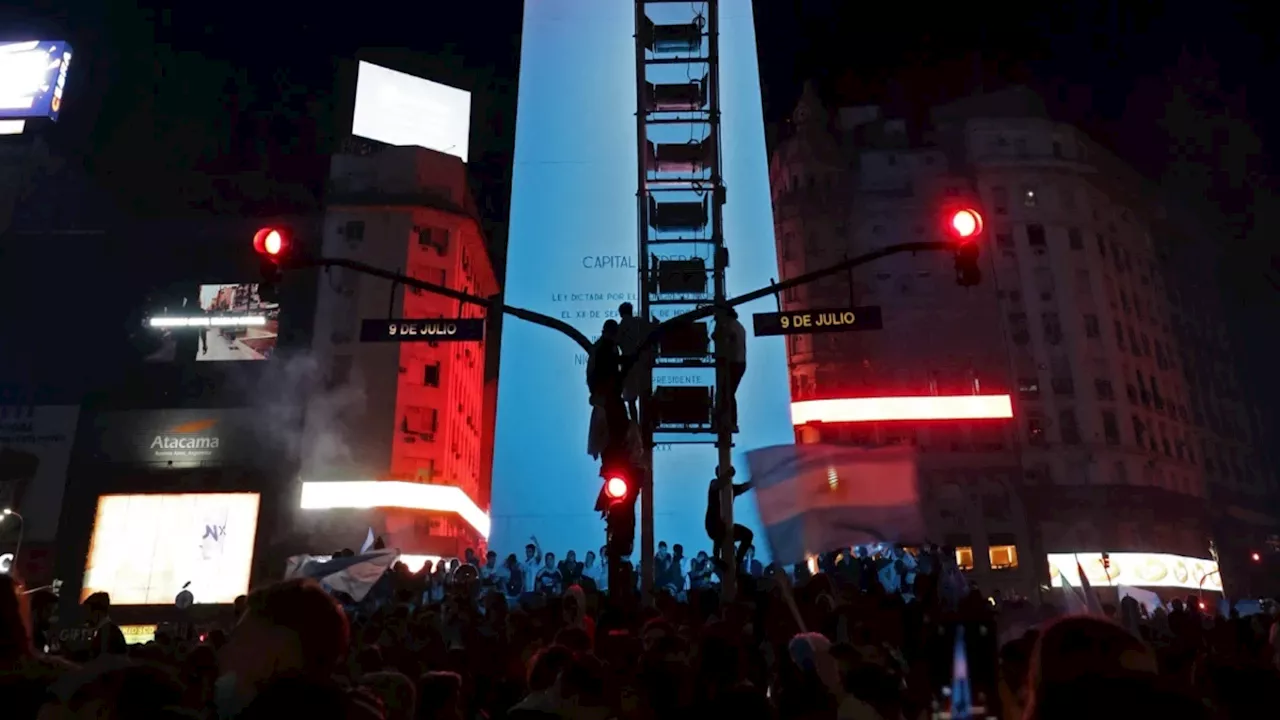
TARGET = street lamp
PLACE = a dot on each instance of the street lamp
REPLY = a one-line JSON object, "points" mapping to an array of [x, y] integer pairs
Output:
{"points": [[22, 526]]}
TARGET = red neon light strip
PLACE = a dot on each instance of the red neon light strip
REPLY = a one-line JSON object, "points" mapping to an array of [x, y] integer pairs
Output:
{"points": [[891, 409]]}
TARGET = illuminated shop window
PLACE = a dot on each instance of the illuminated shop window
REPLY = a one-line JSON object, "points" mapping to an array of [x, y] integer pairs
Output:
{"points": [[1003, 557], [964, 558]]}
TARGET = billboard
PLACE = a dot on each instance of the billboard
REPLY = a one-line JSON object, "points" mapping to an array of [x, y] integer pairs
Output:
{"points": [[405, 110], [575, 175], [35, 448], [33, 76], [216, 323], [146, 548], [180, 438]]}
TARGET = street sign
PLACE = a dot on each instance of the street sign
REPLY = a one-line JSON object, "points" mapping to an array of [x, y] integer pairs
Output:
{"points": [[802, 322], [433, 330]]}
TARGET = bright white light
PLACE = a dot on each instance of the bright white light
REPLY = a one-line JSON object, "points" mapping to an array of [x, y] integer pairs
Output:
{"points": [[415, 562], [403, 110], [32, 75], [170, 321], [364, 494], [146, 547], [1136, 569], [892, 409], [12, 127]]}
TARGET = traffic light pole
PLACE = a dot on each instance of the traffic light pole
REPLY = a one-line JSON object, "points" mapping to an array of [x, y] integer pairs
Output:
{"points": [[492, 304], [724, 398]]}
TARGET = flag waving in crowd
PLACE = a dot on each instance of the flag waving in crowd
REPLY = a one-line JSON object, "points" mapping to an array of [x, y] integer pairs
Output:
{"points": [[817, 498]]}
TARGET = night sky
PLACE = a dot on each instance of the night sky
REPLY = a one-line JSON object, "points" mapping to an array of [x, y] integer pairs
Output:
{"points": [[160, 98]]}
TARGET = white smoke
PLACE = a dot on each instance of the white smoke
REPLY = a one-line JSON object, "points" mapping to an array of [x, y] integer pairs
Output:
{"points": [[302, 413]]}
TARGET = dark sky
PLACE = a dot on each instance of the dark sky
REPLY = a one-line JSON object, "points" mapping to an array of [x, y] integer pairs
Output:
{"points": [[160, 86]]}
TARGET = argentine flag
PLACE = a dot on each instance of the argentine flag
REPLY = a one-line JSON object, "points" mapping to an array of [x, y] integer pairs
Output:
{"points": [[819, 498]]}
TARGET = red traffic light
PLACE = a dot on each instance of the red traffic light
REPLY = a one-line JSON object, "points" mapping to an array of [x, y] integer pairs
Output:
{"points": [[616, 487], [964, 224], [271, 242]]}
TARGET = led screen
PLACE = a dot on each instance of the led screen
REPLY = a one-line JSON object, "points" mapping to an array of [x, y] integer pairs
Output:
{"points": [[572, 255], [1136, 569], [404, 110], [216, 323], [145, 548], [33, 76]]}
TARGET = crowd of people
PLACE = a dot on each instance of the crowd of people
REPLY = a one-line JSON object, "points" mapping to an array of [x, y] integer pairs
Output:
{"points": [[836, 643]]}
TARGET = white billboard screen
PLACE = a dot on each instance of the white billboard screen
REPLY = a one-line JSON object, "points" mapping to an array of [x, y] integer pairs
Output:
{"points": [[33, 75], [145, 548], [404, 110]]}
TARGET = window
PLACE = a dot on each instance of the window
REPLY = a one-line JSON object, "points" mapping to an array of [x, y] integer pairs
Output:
{"points": [[1000, 200], [1105, 391], [1029, 197], [434, 238], [1035, 235], [1028, 388], [1091, 327], [1052, 328], [1119, 335], [431, 375], [1035, 431], [1068, 427], [1111, 428], [1018, 331], [1102, 245], [353, 230], [1075, 239], [964, 558], [1139, 431], [1003, 557], [1004, 240]]}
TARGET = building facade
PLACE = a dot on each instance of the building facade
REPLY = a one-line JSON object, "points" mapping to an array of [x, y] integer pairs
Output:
{"points": [[408, 412], [1074, 319]]}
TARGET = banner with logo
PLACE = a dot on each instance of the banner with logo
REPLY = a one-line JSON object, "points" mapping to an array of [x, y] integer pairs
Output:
{"points": [[35, 448], [178, 438]]}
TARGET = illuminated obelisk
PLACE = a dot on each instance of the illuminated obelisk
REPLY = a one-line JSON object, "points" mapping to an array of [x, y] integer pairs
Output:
{"points": [[571, 254]]}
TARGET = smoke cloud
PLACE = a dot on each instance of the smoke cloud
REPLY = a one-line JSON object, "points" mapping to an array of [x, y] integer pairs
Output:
{"points": [[304, 413]]}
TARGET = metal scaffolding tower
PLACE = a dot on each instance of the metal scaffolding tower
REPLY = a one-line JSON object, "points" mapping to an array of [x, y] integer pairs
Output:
{"points": [[681, 252]]}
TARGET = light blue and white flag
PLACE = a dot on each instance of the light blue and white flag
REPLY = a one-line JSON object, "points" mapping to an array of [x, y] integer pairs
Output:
{"points": [[354, 575], [819, 498], [961, 693]]}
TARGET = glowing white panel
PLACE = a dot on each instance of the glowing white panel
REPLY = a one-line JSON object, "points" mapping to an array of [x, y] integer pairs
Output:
{"points": [[146, 547], [200, 321], [33, 75], [405, 110], [890, 409], [12, 127], [572, 255], [1136, 569], [363, 494]]}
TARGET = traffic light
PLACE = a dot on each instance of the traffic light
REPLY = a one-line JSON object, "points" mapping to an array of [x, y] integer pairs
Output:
{"points": [[618, 497], [1256, 557], [272, 245], [965, 226]]}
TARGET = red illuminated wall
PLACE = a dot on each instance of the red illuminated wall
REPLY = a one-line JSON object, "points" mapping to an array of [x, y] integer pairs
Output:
{"points": [[441, 389]]}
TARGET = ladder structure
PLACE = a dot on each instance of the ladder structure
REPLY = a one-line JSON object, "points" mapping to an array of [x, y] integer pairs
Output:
{"points": [[681, 252]]}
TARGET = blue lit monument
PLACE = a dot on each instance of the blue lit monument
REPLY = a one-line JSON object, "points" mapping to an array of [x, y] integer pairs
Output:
{"points": [[572, 255]]}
